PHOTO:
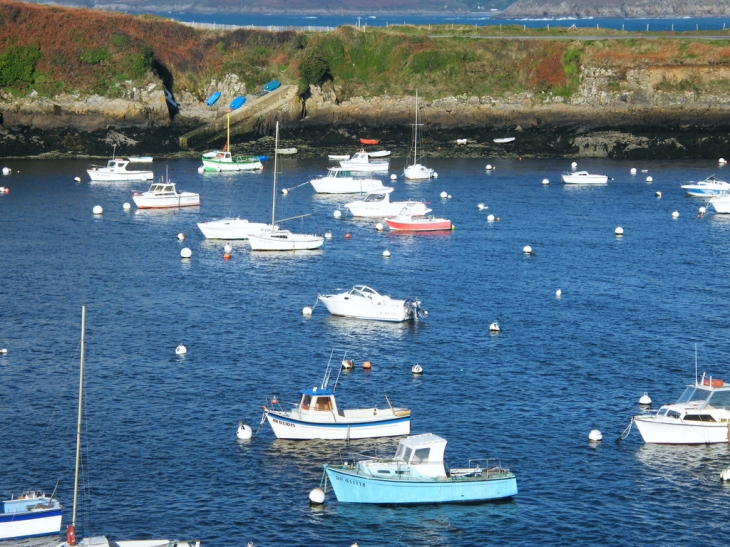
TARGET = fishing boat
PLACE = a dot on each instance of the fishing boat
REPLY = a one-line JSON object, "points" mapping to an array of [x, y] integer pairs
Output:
{"points": [[407, 221], [369, 141], [417, 475], [102, 541], [164, 195], [344, 181], [360, 161], [583, 177], [338, 157], [701, 415], [231, 228], [316, 416], [211, 100], [416, 171], [223, 160], [278, 239], [30, 514], [363, 302], [116, 171], [710, 187], [378, 205]]}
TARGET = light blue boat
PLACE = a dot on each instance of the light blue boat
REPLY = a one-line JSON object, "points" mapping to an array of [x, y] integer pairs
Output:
{"points": [[210, 101], [237, 103], [417, 475]]}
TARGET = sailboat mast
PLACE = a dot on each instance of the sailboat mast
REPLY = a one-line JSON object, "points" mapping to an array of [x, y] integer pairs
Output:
{"points": [[78, 421], [415, 134], [276, 170], [228, 133]]}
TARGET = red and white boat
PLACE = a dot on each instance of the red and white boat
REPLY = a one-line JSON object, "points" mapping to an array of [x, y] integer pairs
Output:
{"points": [[407, 221]]}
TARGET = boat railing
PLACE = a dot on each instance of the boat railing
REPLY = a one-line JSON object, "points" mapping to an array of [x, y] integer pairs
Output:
{"points": [[479, 467]]}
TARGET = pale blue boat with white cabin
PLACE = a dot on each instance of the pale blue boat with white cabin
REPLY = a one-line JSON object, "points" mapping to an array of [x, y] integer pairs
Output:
{"points": [[416, 475]]}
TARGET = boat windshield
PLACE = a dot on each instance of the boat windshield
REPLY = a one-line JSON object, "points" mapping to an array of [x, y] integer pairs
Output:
{"points": [[693, 395], [720, 399], [403, 453], [370, 198]]}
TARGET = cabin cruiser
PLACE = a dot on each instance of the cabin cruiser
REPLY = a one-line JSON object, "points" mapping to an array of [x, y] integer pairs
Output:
{"points": [[343, 181], [710, 187], [363, 302], [378, 205], [360, 161], [583, 177], [116, 171], [164, 195]]}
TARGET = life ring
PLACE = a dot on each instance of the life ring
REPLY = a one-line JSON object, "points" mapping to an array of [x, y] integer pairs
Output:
{"points": [[71, 535]]}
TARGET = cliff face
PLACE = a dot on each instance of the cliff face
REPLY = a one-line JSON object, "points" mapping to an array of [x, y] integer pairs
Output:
{"points": [[620, 9]]}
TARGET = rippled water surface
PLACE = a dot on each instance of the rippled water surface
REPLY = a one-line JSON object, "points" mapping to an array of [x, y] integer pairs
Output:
{"points": [[163, 459]]}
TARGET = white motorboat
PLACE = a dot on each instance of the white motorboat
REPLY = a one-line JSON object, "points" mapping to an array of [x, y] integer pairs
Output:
{"points": [[277, 239], [223, 160], [164, 195], [504, 140], [583, 177], [360, 161], [416, 171], [343, 181], [338, 157], [379, 154], [316, 416], [721, 204], [116, 171], [140, 159], [232, 228], [363, 302], [286, 151], [710, 187], [700, 416], [30, 514], [378, 205], [417, 474]]}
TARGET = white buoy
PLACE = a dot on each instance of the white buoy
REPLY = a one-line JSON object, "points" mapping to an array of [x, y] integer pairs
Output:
{"points": [[633, 170], [379, 226], [285, 191], [645, 399], [307, 311], [558, 293], [7, 170], [435, 175], [227, 248], [98, 210], [675, 214], [417, 369], [126, 206], [181, 237], [545, 182], [490, 218], [481, 206], [393, 177], [449, 196], [489, 167], [316, 496], [348, 364], [77, 179], [386, 253], [574, 165], [185, 252], [649, 179], [619, 231], [595, 435], [444, 195], [722, 161], [244, 432], [337, 214], [725, 474], [181, 350], [702, 210], [658, 194], [494, 327], [201, 169], [527, 250], [3, 351], [328, 235]]}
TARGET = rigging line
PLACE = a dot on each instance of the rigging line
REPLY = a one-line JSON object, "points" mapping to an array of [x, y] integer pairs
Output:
{"points": [[625, 432]]}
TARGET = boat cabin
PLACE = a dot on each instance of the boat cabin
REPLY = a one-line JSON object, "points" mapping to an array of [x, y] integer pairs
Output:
{"points": [[381, 195], [706, 401], [362, 291], [29, 501], [417, 456], [163, 189], [318, 399]]}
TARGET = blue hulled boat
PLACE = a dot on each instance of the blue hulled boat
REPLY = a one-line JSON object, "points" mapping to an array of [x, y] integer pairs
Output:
{"points": [[30, 514]]}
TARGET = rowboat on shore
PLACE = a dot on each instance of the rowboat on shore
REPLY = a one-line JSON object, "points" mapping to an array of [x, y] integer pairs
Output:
{"points": [[369, 141]]}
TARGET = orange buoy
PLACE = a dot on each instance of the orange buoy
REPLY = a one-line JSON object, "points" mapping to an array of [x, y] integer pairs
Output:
{"points": [[498, 219], [347, 236], [274, 401], [226, 256], [71, 535], [366, 365]]}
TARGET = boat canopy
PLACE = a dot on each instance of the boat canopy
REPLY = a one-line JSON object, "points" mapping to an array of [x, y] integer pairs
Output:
{"points": [[425, 451], [317, 391]]}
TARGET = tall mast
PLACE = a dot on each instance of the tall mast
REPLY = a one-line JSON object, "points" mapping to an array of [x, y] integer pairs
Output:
{"points": [[415, 134], [276, 169], [78, 421], [228, 133]]}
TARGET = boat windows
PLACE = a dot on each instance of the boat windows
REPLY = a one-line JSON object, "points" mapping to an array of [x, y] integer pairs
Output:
{"points": [[699, 418], [404, 453], [720, 399], [384, 471], [692, 394], [371, 198], [306, 401], [673, 414], [421, 455], [323, 403]]}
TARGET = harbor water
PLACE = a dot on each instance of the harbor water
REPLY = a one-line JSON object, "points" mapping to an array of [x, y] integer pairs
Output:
{"points": [[162, 458]]}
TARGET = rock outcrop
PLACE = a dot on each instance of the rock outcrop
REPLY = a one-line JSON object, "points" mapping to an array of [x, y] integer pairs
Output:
{"points": [[619, 9]]}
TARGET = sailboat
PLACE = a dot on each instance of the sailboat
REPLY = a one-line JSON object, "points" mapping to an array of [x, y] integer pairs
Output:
{"points": [[417, 171], [102, 541], [277, 239], [223, 160]]}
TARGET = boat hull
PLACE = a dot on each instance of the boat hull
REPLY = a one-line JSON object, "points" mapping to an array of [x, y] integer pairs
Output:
{"points": [[382, 210], [104, 175], [338, 306], [721, 204], [700, 192], [672, 431], [211, 165], [584, 179], [30, 524], [352, 487], [341, 185], [231, 228], [287, 427], [171, 202], [418, 172], [425, 225], [292, 242]]}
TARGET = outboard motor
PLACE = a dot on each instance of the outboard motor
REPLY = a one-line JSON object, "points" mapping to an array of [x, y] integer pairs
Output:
{"points": [[416, 311]]}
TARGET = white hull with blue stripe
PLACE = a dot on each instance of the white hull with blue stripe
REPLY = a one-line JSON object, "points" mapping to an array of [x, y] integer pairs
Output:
{"points": [[30, 515], [710, 187], [416, 475]]}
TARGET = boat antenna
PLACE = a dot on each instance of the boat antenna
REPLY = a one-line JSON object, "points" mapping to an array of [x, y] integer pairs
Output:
{"points": [[114, 151], [72, 526], [326, 378], [695, 363], [334, 387]]}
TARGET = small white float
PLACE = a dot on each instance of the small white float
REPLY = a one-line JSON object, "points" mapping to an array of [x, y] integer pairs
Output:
{"points": [[494, 327], [386, 253], [285, 191], [444, 195], [244, 431], [316, 496], [394, 177], [645, 400], [633, 170], [181, 350], [3, 351], [490, 218], [675, 214], [201, 169], [619, 231], [595, 435], [328, 235], [98, 209], [574, 165], [702, 210], [77, 179], [527, 250], [725, 474], [658, 194], [227, 248], [481, 206], [417, 369], [126, 206], [185, 252], [649, 179], [379, 226], [348, 364], [7, 170], [337, 213], [558, 293], [307, 311], [489, 167], [545, 182], [181, 237]]}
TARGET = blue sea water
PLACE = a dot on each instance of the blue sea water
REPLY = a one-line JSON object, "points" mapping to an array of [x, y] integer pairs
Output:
{"points": [[162, 456]]}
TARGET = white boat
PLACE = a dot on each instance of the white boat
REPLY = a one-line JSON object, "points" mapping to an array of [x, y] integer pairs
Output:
{"points": [[231, 228], [700, 416], [360, 161], [277, 239], [102, 541], [223, 160], [416, 171], [31, 514], [583, 177], [504, 140], [379, 154], [343, 181], [140, 159], [286, 151], [164, 195], [721, 204], [338, 157], [710, 187], [378, 205], [363, 302], [116, 171], [417, 475], [316, 416]]}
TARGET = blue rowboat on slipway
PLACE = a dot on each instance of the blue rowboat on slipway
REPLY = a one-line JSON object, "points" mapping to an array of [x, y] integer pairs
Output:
{"points": [[272, 86], [210, 101], [237, 103], [417, 475]]}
